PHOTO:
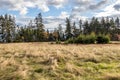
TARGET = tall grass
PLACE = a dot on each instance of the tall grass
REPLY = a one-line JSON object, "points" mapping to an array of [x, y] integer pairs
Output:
{"points": [[43, 61]]}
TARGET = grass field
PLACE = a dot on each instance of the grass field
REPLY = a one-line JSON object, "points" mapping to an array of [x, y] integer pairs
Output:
{"points": [[44, 61]]}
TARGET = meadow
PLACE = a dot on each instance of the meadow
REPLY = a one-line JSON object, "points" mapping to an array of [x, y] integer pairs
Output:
{"points": [[45, 61]]}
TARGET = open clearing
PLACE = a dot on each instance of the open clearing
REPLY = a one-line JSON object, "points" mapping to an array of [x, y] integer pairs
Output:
{"points": [[44, 61]]}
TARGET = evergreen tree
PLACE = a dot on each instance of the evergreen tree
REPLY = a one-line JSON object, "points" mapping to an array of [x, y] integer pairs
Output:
{"points": [[9, 28], [107, 27], [2, 28], [117, 22], [68, 29], [97, 26], [47, 35], [80, 26], [39, 28], [9, 32], [112, 23], [102, 23], [60, 32], [86, 27], [74, 29], [30, 24], [13, 28], [56, 34], [92, 26]]}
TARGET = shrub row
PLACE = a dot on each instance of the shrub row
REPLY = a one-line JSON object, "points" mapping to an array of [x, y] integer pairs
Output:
{"points": [[90, 39], [104, 39]]}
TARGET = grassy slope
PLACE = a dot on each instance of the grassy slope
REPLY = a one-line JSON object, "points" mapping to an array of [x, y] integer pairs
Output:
{"points": [[43, 61]]}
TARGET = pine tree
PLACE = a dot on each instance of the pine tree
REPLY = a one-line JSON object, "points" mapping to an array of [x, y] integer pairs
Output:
{"points": [[80, 26], [47, 33], [97, 26], [39, 28], [56, 34], [107, 27], [1, 28], [68, 29], [74, 29], [7, 28], [86, 27], [102, 24], [92, 27], [112, 23], [117, 22], [60, 32], [12, 26], [30, 24]]}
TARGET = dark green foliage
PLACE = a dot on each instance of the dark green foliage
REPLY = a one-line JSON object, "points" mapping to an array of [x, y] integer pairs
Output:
{"points": [[80, 39], [90, 39], [40, 70], [58, 42], [66, 42], [71, 41], [39, 28], [35, 31], [103, 39], [68, 28], [7, 28], [86, 39]]}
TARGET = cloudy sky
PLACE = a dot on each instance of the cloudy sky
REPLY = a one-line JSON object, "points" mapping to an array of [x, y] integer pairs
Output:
{"points": [[54, 12]]}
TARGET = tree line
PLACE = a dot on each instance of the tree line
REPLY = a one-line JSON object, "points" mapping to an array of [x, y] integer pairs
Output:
{"points": [[35, 31], [103, 25]]}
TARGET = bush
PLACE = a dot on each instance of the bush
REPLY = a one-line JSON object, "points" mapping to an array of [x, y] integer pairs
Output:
{"points": [[66, 42], [71, 40], [80, 39], [103, 39], [58, 42], [86, 39], [89, 39]]}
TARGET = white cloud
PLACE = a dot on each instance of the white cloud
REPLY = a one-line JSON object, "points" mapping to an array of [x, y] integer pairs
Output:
{"points": [[57, 3], [23, 11], [16, 5], [109, 10], [82, 2], [63, 15], [23, 20], [23, 5], [79, 7], [52, 22], [41, 4]]}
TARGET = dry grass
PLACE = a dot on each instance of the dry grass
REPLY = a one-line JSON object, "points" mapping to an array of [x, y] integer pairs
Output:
{"points": [[44, 61]]}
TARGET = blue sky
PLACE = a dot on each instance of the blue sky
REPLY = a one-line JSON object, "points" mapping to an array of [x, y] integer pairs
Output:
{"points": [[54, 12]]}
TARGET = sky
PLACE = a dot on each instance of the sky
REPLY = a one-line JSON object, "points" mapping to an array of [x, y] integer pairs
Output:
{"points": [[54, 12]]}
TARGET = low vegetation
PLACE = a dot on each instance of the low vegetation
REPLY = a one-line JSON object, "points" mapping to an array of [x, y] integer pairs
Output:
{"points": [[90, 39], [45, 61]]}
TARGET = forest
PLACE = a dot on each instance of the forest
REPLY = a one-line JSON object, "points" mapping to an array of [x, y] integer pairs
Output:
{"points": [[35, 31]]}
